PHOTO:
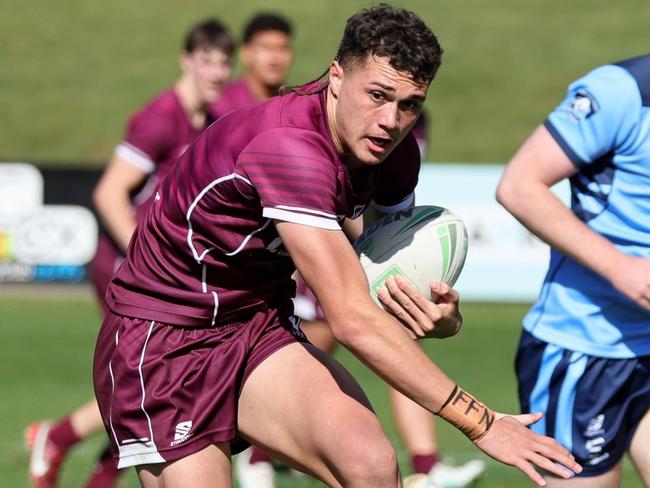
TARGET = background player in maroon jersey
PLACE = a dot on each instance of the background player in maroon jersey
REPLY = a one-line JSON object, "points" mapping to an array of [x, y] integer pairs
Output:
{"points": [[266, 54], [156, 136], [200, 346]]}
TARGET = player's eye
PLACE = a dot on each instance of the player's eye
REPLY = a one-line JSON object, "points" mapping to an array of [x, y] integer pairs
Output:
{"points": [[411, 105], [377, 96]]}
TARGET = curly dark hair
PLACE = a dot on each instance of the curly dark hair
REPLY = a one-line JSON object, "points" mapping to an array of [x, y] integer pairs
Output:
{"points": [[397, 34]]}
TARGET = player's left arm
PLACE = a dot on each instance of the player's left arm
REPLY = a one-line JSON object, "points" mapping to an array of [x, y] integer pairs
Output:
{"points": [[599, 116], [332, 270], [524, 190]]}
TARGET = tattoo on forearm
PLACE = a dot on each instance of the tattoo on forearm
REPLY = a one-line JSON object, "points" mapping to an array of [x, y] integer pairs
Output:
{"points": [[469, 415]]}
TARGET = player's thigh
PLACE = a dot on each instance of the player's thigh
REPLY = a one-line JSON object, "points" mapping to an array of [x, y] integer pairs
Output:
{"points": [[610, 479], [306, 409], [640, 449], [207, 468], [319, 334]]}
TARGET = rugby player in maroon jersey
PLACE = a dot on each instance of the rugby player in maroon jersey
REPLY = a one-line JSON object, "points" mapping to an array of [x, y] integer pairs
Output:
{"points": [[200, 348], [266, 54]]}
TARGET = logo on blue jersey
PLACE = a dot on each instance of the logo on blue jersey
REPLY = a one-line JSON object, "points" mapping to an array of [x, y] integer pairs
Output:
{"points": [[583, 106]]}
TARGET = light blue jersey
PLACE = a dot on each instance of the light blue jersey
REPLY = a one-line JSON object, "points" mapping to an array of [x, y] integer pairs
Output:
{"points": [[603, 126]]}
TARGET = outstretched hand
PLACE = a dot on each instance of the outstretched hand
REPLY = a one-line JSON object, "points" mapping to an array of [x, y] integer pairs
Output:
{"points": [[510, 442], [438, 317]]}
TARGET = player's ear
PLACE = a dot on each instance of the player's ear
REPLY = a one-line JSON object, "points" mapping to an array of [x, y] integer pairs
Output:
{"points": [[245, 54], [335, 77], [184, 61]]}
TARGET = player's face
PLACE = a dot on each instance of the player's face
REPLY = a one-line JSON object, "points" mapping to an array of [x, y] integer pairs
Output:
{"points": [[268, 57], [210, 69], [374, 107]]}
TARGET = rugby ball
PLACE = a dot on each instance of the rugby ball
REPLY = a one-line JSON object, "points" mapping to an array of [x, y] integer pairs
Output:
{"points": [[422, 244]]}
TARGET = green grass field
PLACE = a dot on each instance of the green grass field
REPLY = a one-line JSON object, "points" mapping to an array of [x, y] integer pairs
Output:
{"points": [[73, 70], [46, 352]]}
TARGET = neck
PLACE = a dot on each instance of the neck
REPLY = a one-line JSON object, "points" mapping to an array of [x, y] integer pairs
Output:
{"points": [[330, 108], [195, 107], [346, 158], [260, 90]]}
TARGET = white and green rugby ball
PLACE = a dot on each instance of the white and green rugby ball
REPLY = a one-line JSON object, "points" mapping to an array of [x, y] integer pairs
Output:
{"points": [[422, 244]]}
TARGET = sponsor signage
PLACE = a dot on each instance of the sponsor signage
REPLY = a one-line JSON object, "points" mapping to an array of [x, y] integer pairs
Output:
{"points": [[504, 261], [41, 242], [44, 242]]}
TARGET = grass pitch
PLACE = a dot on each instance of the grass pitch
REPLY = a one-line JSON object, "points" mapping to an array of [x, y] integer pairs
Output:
{"points": [[46, 352], [73, 70]]}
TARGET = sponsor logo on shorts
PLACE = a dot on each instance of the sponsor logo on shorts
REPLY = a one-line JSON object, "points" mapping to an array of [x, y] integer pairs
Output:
{"points": [[595, 426], [276, 246], [595, 442], [182, 432], [295, 327], [358, 210], [598, 459]]}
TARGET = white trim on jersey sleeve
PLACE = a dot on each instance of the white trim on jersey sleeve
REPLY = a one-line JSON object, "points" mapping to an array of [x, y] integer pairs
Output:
{"points": [[312, 218], [398, 207], [135, 156]]}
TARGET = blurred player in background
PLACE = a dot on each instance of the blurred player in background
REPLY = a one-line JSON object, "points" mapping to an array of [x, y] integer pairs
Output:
{"points": [[200, 347], [266, 54], [155, 137], [584, 356]]}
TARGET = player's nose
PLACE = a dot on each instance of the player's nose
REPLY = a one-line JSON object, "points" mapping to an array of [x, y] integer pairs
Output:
{"points": [[389, 118]]}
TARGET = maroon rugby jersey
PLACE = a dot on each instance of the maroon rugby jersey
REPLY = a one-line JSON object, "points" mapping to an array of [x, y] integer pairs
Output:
{"points": [[207, 251], [237, 94], [156, 136]]}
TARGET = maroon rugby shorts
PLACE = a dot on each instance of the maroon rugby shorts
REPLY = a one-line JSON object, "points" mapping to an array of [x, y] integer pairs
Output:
{"points": [[106, 261], [166, 392]]}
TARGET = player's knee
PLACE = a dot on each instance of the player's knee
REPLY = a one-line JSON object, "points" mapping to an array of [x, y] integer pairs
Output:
{"points": [[372, 464]]}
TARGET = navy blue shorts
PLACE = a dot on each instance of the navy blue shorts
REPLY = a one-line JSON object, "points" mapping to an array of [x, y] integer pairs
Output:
{"points": [[591, 405]]}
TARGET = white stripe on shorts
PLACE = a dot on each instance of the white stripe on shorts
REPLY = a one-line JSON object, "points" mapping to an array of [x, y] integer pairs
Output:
{"points": [[141, 451]]}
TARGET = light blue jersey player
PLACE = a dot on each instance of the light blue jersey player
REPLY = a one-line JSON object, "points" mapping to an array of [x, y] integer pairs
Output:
{"points": [[584, 356]]}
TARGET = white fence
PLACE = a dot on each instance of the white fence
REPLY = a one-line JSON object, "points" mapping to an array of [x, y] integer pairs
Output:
{"points": [[504, 262]]}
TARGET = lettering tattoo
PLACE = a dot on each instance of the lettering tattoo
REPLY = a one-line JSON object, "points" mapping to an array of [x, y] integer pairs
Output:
{"points": [[469, 415]]}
